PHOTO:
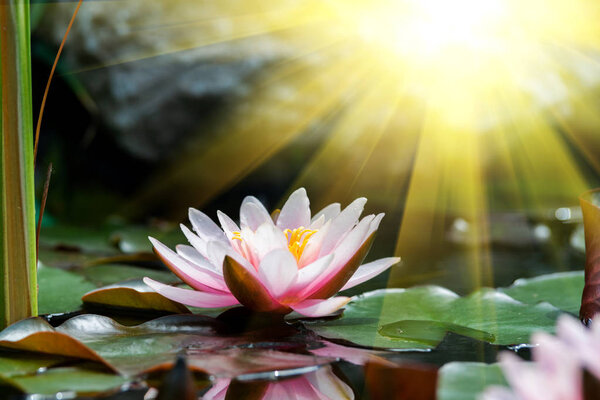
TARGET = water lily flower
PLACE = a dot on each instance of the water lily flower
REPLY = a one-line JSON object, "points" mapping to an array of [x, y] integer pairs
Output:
{"points": [[290, 262], [322, 384], [557, 372]]}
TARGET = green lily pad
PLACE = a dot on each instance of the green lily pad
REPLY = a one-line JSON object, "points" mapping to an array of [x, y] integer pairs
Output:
{"points": [[86, 240], [562, 290], [430, 332], [134, 295], [83, 381], [134, 239], [487, 310], [60, 291], [14, 364], [467, 380], [110, 274], [152, 346]]}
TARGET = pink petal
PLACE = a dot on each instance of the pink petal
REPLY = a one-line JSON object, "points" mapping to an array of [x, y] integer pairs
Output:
{"points": [[375, 223], [204, 226], [342, 224], [329, 212], [370, 270], [192, 297], [319, 308], [195, 277], [295, 212], [218, 391], [253, 214], [278, 271], [227, 224], [347, 259], [328, 385]]}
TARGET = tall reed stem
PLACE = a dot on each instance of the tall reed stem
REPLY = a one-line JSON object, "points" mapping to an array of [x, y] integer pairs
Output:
{"points": [[18, 289]]}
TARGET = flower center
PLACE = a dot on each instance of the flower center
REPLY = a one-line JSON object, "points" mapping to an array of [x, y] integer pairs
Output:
{"points": [[298, 239]]}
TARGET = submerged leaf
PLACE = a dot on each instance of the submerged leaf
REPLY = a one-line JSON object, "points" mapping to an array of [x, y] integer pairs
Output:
{"points": [[487, 310]]}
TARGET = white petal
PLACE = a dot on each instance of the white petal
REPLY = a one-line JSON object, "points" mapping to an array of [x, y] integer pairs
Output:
{"points": [[295, 212], [342, 224], [370, 270], [194, 256], [266, 239], [329, 212], [253, 214], [317, 223], [198, 243], [312, 272], [217, 252], [190, 274], [204, 226], [313, 247], [227, 224], [278, 271], [318, 307], [192, 298], [375, 223]]}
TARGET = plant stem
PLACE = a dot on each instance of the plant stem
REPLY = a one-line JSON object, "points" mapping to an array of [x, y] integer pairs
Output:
{"points": [[18, 291]]}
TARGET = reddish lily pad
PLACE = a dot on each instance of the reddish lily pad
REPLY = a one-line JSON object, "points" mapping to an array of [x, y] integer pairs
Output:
{"points": [[133, 295]]}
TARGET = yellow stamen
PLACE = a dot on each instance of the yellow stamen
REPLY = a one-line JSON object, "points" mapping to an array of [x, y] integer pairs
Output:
{"points": [[298, 239], [237, 236]]}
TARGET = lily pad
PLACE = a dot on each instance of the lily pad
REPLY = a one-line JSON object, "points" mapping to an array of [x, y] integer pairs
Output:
{"points": [[467, 380], [487, 310], [86, 240], [430, 332], [132, 295], [109, 274], [14, 364], [562, 290], [132, 350], [82, 381], [60, 291]]}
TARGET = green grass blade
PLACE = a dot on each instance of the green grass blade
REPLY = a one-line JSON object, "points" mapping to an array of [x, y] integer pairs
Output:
{"points": [[18, 291]]}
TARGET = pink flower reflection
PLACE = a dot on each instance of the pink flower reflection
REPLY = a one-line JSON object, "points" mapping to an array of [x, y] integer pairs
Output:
{"points": [[322, 384]]}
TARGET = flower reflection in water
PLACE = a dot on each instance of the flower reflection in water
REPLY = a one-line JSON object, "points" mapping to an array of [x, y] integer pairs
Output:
{"points": [[322, 384]]}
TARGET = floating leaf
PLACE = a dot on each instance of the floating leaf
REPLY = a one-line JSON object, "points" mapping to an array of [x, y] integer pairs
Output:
{"points": [[152, 346], [13, 364], [487, 310], [83, 381], [430, 332], [135, 295], [562, 290], [467, 380], [60, 291], [109, 274], [134, 239], [80, 239]]}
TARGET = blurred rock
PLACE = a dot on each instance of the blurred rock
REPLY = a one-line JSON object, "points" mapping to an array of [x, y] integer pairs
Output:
{"points": [[157, 69]]}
